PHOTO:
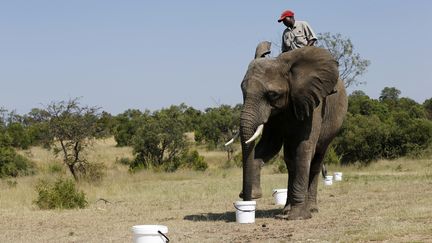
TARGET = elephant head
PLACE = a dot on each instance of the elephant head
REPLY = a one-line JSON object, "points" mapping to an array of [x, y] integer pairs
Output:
{"points": [[294, 83]]}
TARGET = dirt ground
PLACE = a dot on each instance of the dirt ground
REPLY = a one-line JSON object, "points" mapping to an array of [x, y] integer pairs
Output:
{"points": [[379, 207], [388, 201]]}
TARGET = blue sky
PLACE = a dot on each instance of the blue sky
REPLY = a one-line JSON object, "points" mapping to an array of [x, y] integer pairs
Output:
{"points": [[152, 54]]}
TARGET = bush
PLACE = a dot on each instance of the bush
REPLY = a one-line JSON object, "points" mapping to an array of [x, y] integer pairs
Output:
{"points": [[61, 194], [19, 135], [331, 157], [160, 140], [193, 160], [362, 139], [13, 164]]}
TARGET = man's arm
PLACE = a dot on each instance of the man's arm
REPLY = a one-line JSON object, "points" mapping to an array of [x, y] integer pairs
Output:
{"points": [[311, 42], [310, 35], [284, 47]]}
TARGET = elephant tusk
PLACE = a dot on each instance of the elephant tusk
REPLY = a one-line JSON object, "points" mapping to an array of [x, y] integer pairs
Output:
{"points": [[232, 139], [256, 134]]}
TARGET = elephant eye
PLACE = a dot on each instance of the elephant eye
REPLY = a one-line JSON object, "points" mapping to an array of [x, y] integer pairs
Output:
{"points": [[272, 96]]}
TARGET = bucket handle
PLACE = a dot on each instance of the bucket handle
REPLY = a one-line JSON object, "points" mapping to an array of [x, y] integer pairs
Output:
{"points": [[246, 211], [274, 193], [167, 239]]}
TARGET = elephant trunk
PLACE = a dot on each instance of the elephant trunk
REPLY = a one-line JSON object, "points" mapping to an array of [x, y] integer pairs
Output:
{"points": [[251, 167], [248, 152]]}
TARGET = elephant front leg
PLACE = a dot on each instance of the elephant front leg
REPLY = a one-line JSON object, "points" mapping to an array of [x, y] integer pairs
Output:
{"points": [[299, 169], [268, 147]]}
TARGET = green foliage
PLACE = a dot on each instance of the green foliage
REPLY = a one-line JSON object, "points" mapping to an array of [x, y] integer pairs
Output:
{"points": [[62, 194], [127, 124], [36, 122], [193, 160], [19, 135], [361, 139], [160, 140], [331, 157], [389, 94], [387, 128], [13, 164], [218, 125], [192, 118], [27, 130], [361, 104], [427, 105], [105, 125]]}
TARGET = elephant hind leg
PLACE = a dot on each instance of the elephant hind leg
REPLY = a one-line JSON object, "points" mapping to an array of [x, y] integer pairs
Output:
{"points": [[316, 168]]}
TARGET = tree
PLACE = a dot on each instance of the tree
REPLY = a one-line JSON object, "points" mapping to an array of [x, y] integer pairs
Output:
{"points": [[11, 163], [390, 94], [427, 104], [218, 126], [19, 135], [127, 124], [160, 139], [351, 65], [3, 113], [105, 124], [72, 128], [360, 103]]}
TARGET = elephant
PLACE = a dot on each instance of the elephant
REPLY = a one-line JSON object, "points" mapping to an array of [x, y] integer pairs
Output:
{"points": [[296, 101]]}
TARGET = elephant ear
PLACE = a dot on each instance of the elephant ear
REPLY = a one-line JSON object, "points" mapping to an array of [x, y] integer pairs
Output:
{"points": [[262, 49], [313, 74]]}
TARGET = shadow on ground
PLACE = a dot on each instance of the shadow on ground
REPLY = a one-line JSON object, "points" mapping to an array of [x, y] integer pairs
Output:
{"points": [[230, 216]]}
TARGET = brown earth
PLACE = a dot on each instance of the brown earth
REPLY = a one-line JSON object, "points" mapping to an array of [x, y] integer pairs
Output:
{"points": [[389, 201]]}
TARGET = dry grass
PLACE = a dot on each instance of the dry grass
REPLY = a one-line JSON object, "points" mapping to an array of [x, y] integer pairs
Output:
{"points": [[387, 201]]}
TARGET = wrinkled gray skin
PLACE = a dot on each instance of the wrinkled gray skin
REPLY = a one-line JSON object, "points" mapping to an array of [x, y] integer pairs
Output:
{"points": [[294, 96]]}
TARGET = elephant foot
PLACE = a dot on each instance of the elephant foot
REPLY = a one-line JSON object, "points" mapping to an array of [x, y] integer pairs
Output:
{"points": [[313, 208], [286, 209], [256, 193], [284, 213], [299, 213]]}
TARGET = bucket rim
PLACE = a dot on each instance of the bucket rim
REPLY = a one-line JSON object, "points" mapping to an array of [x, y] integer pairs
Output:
{"points": [[149, 229], [245, 203], [280, 190]]}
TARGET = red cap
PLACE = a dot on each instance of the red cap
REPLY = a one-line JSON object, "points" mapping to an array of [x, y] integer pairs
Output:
{"points": [[287, 13]]}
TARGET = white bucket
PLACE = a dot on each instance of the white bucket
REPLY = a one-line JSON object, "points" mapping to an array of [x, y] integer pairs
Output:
{"points": [[245, 213], [150, 233], [328, 181], [280, 196], [338, 176]]}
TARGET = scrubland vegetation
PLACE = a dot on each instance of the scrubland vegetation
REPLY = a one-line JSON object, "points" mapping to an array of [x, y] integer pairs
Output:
{"points": [[388, 200], [72, 173]]}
